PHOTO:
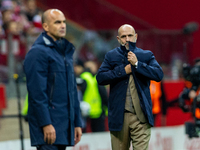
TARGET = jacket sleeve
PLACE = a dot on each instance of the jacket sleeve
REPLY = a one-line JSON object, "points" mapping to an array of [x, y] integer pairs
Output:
{"points": [[77, 110], [152, 69], [104, 95], [36, 70], [108, 74]]}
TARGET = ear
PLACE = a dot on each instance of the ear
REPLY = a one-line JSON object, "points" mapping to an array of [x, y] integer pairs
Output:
{"points": [[118, 38], [45, 27], [136, 36]]}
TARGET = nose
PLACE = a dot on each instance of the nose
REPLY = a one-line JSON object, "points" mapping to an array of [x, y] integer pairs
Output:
{"points": [[127, 38], [63, 25]]}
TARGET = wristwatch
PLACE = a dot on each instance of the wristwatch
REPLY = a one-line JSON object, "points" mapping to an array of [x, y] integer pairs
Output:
{"points": [[136, 64]]}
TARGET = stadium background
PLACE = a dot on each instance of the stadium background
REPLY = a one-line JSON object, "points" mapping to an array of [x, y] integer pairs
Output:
{"points": [[168, 28]]}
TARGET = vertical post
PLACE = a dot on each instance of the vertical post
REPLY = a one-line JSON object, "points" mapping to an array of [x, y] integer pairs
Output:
{"points": [[11, 67], [16, 77]]}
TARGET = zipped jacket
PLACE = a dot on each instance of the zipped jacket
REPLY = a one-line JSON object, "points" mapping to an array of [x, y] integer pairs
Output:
{"points": [[52, 90], [112, 71]]}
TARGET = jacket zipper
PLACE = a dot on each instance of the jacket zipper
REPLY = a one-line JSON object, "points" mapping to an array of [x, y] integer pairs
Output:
{"points": [[51, 93]]}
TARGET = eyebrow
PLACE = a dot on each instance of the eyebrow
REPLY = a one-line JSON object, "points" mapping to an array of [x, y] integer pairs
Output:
{"points": [[59, 21], [122, 36]]}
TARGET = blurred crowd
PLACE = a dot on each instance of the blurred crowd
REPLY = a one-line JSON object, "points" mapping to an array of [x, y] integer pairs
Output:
{"points": [[20, 21], [20, 17]]}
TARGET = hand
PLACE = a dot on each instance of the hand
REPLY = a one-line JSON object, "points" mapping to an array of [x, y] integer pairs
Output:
{"points": [[49, 134], [77, 134], [128, 69], [132, 58]]}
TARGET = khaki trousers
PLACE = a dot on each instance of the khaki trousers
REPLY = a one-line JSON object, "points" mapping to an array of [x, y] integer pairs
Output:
{"points": [[132, 130]]}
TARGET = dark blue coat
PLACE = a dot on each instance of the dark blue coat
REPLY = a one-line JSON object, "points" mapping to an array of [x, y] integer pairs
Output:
{"points": [[52, 90], [112, 72]]}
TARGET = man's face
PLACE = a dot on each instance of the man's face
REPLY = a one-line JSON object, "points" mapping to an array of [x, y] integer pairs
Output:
{"points": [[126, 34], [56, 25]]}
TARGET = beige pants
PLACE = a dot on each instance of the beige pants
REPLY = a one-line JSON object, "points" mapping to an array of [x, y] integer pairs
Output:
{"points": [[132, 130]]}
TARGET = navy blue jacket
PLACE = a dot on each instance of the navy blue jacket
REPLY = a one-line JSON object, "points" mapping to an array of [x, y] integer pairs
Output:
{"points": [[52, 90], [112, 72]]}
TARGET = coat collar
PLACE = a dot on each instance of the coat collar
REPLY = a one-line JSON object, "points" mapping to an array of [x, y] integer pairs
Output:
{"points": [[132, 47], [47, 39]]}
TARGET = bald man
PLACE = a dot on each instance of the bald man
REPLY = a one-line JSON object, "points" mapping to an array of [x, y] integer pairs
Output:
{"points": [[128, 70], [54, 110]]}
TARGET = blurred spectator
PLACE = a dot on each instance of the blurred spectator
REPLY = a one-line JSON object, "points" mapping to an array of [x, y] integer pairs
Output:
{"points": [[37, 20], [14, 28], [78, 67], [6, 5], [36, 25], [84, 106], [93, 94], [33, 15], [31, 9], [155, 90], [7, 16], [159, 104], [96, 96]]}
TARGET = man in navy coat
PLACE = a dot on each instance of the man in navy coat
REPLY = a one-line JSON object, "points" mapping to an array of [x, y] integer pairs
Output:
{"points": [[128, 70], [54, 110]]}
